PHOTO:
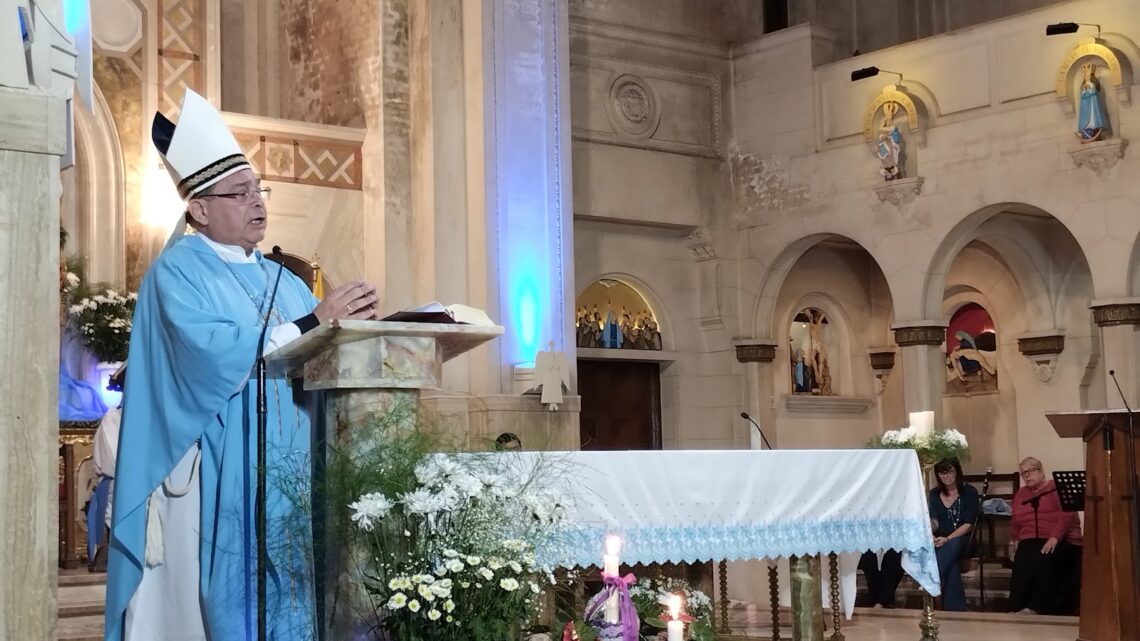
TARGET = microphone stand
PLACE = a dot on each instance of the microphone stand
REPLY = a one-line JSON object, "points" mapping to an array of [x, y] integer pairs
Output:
{"points": [[1133, 482], [745, 416], [259, 501], [974, 534]]}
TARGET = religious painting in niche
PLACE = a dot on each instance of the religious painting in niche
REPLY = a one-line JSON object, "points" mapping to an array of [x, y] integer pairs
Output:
{"points": [[808, 338], [1092, 119], [971, 352], [612, 315]]}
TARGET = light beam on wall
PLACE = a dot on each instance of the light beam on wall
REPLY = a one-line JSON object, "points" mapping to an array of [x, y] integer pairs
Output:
{"points": [[77, 22], [161, 204]]}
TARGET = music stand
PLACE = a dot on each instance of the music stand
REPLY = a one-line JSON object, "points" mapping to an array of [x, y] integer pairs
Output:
{"points": [[1071, 490]]}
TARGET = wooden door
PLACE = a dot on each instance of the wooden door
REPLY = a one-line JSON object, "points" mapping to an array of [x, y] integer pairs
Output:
{"points": [[621, 405]]}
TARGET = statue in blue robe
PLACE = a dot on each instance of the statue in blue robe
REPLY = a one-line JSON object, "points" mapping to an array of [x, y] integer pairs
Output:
{"points": [[1091, 121], [890, 144], [611, 333], [192, 351]]}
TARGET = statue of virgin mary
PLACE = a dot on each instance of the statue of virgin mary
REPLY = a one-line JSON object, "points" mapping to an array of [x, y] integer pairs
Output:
{"points": [[1092, 122]]}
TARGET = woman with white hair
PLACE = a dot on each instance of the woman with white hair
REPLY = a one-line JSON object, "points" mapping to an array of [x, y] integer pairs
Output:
{"points": [[1045, 545]]}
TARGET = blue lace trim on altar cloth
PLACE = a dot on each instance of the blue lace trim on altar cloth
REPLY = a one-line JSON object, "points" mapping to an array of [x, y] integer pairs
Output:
{"points": [[581, 546]]}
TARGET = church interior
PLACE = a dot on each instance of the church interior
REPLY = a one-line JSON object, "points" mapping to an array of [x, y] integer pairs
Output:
{"points": [[730, 224]]}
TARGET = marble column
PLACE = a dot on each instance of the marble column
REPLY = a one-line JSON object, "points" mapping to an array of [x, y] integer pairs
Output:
{"points": [[923, 365], [1118, 320], [529, 216], [757, 355], [33, 138], [807, 611]]}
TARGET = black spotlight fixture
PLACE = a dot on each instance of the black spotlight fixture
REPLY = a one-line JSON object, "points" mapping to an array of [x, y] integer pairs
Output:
{"points": [[870, 72], [1062, 28]]}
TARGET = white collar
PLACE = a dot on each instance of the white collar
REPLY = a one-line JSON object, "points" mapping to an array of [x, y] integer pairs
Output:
{"points": [[229, 253]]}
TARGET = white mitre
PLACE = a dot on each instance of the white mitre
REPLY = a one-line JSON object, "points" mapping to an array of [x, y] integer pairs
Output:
{"points": [[198, 151]]}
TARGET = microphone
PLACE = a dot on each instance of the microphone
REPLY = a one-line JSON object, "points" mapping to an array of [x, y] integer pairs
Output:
{"points": [[745, 416], [1108, 444], [262, 419], [1036, 498], [272, 297]]}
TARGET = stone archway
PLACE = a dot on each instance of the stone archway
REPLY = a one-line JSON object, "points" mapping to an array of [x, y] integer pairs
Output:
{"points": [[1023, 270], [99, 198]]}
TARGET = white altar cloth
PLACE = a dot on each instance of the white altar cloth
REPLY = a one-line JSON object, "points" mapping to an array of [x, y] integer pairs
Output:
{"points": [[708, 505]]}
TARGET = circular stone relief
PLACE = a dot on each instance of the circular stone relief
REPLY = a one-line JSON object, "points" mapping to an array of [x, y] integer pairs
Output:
{"points": [[632, 106]]}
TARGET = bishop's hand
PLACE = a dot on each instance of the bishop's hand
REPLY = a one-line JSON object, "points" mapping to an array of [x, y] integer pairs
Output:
{"points": [[353, 301]]}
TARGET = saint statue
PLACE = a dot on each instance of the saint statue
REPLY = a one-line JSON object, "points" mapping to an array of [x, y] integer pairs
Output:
{"points": [[890, 144], [1092, 122]]}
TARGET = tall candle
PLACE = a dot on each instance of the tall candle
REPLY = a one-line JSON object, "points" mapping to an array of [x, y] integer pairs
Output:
{"points": [[675, 627], [610, 565]]}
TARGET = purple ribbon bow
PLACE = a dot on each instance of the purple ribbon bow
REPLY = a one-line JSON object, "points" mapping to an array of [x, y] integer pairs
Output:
{"points": [[627, 612]]}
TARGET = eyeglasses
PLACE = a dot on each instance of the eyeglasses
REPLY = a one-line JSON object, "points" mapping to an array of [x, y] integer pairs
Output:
{"points": [[244, 197], [1030, 471]]}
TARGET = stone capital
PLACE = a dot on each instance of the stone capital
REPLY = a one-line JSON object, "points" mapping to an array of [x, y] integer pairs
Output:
{"points": [[1116, 311], [1048, 342], [920, 333], [882, 358], [755, 350]]}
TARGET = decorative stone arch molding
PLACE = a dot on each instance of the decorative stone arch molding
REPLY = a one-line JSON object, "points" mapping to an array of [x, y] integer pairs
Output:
{"points": [[100, 188], [654, 303], [1092, 48], [840, 361]]}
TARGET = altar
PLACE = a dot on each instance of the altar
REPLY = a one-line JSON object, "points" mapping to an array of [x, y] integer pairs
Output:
{"points": [[706, 505]]}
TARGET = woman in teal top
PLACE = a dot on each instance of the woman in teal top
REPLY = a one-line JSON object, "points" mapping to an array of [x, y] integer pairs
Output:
{"points": [[954, 508]]}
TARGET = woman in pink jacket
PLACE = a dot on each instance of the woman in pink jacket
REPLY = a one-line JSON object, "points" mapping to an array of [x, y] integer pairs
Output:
{"points": [[1045, 546]]}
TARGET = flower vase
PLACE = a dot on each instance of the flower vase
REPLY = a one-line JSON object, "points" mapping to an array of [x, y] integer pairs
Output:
{"points": [[111, 398]]}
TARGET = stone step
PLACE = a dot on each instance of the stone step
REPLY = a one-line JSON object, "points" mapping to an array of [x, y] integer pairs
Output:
{"points": [[84, 628], [81, 609], [84, 578]]}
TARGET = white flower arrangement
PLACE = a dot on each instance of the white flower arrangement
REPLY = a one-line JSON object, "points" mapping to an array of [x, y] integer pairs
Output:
{"points": [[103, 321], [450, 545], [931, 446]]}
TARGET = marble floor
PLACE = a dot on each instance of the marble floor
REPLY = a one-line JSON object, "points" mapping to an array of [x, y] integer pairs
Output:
{"points": [[902, 625]]}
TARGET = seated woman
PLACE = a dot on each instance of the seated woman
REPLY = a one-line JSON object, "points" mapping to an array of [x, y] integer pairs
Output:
{"points": [[1045, 545], [883, 573], [953, 509]]}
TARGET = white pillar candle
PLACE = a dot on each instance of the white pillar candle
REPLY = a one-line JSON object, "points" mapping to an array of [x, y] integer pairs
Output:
{"points": [[611, 566], [675, 628], [923, 422]]}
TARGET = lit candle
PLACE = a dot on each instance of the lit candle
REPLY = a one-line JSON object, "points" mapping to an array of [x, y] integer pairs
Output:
{"points": [[675, 627], [923, 422], [610, 565]]}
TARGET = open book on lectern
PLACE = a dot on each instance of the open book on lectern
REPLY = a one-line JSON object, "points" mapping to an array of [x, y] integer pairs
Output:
{"points": [[435, 312]]}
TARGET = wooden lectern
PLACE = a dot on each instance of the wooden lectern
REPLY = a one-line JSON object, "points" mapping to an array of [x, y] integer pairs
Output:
{"points": [[1109, 609], [365, 368]]}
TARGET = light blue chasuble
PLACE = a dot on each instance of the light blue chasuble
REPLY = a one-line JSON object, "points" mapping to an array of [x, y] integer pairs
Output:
{"points": [[192, 351]]}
